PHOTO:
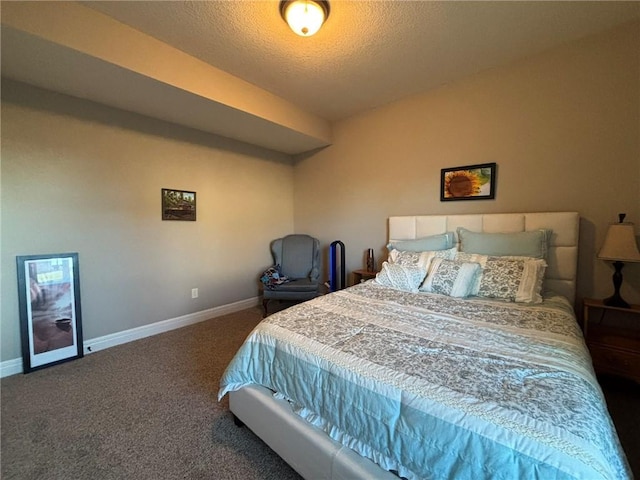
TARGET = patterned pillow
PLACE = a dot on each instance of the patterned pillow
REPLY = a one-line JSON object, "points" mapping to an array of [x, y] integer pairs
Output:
{"points": [[516, 279], [273, 276], [401, 277], [422, 259], [450, 277]]}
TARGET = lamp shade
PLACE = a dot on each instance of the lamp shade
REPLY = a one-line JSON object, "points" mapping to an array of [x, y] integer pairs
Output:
{"points": [[305, 17], [620, 244]]}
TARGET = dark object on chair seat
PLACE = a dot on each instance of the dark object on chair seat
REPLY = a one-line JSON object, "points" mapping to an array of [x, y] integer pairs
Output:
{"points": [[299, 259]]}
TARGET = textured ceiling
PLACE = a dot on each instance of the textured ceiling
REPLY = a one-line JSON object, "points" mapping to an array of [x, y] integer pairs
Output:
{"points": [[368, 53], [234, 68]]}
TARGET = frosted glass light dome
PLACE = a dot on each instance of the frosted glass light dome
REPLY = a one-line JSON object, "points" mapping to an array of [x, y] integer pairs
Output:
{"points": [[305, 17]]}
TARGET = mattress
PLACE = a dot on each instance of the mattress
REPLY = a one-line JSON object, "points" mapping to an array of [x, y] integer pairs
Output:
{"points": [[431, 386]]}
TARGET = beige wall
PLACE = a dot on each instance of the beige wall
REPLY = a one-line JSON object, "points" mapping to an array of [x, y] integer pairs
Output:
{"points": [[80, 177], [563, 128]]}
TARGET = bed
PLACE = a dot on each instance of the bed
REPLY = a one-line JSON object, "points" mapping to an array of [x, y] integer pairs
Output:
{"points": [[441, 367]]}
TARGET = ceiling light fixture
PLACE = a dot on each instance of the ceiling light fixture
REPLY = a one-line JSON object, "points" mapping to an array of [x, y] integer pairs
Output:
{"points": [[305, 17]]}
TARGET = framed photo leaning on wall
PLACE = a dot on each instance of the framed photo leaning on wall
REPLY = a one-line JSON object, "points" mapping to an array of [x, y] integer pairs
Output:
{"points": [[50, 316]]}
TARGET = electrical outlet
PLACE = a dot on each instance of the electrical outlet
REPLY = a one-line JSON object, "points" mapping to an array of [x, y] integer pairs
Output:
{"points": [[194, 293]]}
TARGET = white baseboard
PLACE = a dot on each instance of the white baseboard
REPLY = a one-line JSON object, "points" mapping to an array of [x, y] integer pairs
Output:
{"points": [[10, 367], [14, 366]]}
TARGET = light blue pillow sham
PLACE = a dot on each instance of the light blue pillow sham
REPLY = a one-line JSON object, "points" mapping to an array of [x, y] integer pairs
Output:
{"points": [[534, 244], [432, 242]]}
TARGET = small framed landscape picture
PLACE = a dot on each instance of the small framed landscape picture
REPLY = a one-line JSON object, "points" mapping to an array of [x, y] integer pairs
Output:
{"points": [[178, 205], [50, 317], [471, 182]]}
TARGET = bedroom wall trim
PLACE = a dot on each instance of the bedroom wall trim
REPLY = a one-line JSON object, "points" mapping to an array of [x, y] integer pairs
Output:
{"points": [[14, 366]]}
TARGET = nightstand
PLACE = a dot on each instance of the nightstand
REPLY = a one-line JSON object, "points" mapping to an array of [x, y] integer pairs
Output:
{"points": [[614, 349], [362, 275]]}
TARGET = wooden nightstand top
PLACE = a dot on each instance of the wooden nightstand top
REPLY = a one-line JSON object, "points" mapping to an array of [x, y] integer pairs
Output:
{"points": [[597, 303], [362, 274], [365, 272]]}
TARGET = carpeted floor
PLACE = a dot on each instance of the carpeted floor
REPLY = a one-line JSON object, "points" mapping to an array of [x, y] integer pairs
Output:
{"points": [[144, 410], [148, 410], [623, 401]]}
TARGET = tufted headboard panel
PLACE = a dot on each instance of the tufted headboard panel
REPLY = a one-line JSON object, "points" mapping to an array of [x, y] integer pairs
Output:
{"points": [[562, 257]]}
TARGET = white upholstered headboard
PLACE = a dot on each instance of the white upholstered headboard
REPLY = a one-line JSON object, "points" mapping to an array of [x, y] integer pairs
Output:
{"points": [[562, 257]]}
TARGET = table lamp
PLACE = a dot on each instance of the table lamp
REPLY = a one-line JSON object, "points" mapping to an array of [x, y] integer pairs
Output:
{"points": [[619, 246]]}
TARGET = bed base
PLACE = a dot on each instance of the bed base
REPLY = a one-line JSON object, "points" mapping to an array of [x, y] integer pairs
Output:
{"points": [[312, 453], [306, 448]]}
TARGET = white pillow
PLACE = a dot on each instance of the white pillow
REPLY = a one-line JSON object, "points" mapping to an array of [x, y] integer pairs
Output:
{"points": [[450, 277], [401, 277], [517, 279], [422, 259]]}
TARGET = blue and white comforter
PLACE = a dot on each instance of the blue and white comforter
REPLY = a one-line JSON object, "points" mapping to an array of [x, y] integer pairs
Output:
{"points": [[436, 387]]}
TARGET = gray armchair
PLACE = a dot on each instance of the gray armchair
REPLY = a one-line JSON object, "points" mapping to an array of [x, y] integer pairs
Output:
{"points": [[299, 260]]}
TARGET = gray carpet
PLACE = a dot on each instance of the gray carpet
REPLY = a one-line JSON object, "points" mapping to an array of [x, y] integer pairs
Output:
{"points": [[144, 410], [623, 401], [148, 410]]}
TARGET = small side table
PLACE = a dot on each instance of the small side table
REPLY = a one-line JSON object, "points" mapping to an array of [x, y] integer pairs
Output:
{"points": [[614, 350], [362, 275]]}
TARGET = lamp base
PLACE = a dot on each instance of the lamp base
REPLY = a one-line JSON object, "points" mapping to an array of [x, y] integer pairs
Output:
{"points": [[616, 301]]}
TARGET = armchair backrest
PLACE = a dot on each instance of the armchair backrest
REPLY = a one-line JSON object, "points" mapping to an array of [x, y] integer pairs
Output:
{"points": [[298, 256]]}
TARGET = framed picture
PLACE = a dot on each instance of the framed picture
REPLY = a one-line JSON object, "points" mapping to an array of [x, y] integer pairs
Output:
{"points": [[471, 182], [178, 205], [50, 316]]}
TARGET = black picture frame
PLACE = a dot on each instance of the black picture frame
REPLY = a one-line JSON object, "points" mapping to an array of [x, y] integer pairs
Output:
{"points": [[469, 182], [178, 205], [50, 313]]}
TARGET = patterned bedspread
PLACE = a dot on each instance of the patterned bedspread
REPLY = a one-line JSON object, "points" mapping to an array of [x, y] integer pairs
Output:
{"points": [[431, 386]]}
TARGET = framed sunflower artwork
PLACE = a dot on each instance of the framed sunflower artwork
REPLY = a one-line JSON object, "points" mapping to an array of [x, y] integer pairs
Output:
{"points": [[471, 182]]}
